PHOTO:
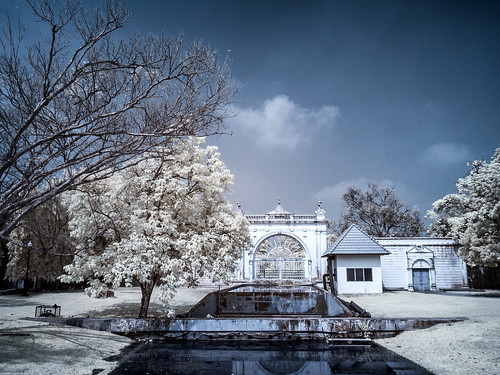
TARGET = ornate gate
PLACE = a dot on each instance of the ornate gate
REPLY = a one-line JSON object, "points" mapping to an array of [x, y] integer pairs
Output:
{"points": [[280, 257]]}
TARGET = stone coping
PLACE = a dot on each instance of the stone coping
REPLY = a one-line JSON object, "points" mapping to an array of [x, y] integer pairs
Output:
{"points": [[249, 328]]}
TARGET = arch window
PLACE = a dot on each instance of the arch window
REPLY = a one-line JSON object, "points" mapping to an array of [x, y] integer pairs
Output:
{"points": [[280, 256]]}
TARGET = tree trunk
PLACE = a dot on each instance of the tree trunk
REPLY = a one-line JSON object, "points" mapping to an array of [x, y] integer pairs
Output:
{"points": [[5, 259], [146, 290]]}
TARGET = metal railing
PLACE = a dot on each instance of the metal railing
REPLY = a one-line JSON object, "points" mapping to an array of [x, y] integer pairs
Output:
{"points": [[278, 269], [281, 218]]}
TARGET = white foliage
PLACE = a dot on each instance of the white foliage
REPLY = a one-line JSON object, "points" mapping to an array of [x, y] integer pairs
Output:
{"points": [[472, 215], [161, 221]]}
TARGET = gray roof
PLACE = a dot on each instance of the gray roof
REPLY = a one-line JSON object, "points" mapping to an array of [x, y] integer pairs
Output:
{"points": [[354, 241]]}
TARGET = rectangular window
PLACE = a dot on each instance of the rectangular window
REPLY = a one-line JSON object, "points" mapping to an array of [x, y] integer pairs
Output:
{"points": [[350, 274], [359, 274], [368, 274]]}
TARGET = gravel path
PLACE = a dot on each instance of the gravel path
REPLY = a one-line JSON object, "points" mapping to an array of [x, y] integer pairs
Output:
{"points": [[464, 348]]}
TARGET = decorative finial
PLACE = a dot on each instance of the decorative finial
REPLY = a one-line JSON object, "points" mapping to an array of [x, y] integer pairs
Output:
{"points": [[320, 212], [239, 208], [279, 210]]}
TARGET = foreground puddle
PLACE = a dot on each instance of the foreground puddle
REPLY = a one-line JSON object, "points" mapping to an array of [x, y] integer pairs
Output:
{"points": [[241, 358]]}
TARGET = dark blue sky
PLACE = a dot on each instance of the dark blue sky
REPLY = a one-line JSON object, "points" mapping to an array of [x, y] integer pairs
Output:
{"points": [[341, 93]]}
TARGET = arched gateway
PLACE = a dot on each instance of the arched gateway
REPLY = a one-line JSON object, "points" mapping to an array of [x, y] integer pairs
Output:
{"points": [[280, 256], [285, 246]]}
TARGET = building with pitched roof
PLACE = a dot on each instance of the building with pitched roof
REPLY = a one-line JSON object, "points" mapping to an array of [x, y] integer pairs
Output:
{"points": [[287, 246], [354, 264]]}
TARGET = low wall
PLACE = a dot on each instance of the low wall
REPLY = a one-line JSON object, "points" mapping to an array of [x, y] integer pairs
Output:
{"points": [[262, 328]]}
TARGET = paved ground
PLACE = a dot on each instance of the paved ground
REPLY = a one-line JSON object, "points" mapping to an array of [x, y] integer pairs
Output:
{"points": [[470, 347], [464, 348], [33, 348]]}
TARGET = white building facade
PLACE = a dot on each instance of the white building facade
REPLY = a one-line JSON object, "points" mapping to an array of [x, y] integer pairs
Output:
{"points": [[286, 246], [354, 263], [422, 264]]}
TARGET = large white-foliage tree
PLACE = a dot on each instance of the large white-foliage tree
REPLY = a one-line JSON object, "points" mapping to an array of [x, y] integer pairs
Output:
{"points": [[82, 98], [472, 215], [163, 221]]}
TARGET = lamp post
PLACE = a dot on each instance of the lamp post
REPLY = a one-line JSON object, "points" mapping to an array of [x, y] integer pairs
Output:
{"points": [[26, 278]]}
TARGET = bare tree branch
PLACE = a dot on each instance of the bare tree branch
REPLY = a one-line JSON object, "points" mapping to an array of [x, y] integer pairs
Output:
{"points": [[379, 212], [73, 112]]}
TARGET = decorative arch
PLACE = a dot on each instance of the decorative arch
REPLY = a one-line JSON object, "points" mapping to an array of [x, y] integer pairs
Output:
{"points": [[272, 366], [280, 256], [421, 264]]}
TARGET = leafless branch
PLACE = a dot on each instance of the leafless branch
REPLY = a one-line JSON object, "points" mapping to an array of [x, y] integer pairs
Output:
{"points": [[71, 113]]}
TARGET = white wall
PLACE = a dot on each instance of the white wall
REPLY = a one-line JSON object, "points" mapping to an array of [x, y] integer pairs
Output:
{"points": [[358, 261], [389, 271], [449, 269], [395, 266], [312, 235]]}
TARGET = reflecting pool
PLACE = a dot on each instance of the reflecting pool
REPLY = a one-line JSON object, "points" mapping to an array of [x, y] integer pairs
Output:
{"points": [[241, 358]]}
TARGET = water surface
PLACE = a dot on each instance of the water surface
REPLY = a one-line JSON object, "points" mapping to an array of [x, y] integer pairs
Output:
{"points": [[241, 358]]}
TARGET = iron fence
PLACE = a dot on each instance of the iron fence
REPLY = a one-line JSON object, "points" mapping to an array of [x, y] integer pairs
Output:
{"points": [[280, 269]]}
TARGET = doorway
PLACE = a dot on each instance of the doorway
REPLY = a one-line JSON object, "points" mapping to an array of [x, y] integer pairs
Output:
{"points": [[421, 280]]}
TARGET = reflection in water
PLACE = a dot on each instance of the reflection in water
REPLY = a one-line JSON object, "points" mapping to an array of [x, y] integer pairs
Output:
{"points": [[276, 358]]}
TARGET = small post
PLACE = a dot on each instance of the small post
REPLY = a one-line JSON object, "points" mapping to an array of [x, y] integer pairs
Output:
{"points": [[330, 275], [26, 278]]}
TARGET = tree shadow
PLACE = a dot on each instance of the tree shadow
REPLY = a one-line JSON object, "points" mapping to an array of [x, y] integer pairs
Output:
{"points": [[18, 302], [489, 294], [128, 310], [44, 343], [131, 310]]}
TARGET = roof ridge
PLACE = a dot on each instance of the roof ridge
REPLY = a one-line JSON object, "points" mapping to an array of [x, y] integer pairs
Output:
{"points": [[340, 238], [367, 235], [350, 242]]}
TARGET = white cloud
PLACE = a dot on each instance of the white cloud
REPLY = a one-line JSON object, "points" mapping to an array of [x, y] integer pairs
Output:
{"points": [[282, 123], [446, 153], [332, 195]]}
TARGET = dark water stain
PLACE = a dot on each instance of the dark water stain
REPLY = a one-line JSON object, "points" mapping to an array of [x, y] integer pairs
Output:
{"points": [[272, 358]]}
